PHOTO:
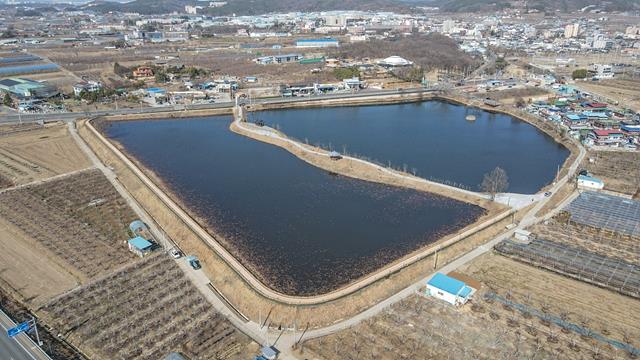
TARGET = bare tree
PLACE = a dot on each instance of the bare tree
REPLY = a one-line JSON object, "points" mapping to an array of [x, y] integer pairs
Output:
{"points": [[495, 181]]}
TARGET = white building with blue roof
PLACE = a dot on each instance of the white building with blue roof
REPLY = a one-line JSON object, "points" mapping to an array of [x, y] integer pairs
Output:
{"points": [[451, 290], [140, 246]]}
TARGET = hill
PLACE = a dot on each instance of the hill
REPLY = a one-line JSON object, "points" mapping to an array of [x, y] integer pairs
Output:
{"points": [[247, 7], [541, 5]]}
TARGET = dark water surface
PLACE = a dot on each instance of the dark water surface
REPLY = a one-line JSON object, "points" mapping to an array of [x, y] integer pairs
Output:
{"points": [[298, 228], [434, 138]]}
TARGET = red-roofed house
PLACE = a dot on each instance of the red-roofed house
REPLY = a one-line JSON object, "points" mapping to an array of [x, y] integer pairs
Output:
{"points": [[597, 105], [608, 137]]}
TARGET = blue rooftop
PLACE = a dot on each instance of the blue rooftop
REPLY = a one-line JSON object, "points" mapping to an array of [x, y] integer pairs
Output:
{"points": [[449, 284], [140, 243], [596, 114]]}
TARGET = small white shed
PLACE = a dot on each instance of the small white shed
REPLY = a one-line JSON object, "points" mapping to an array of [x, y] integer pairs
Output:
{"points": [[451, 290]]}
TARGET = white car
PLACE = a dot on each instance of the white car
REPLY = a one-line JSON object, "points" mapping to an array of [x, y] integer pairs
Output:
{"points": [[175, 253]]}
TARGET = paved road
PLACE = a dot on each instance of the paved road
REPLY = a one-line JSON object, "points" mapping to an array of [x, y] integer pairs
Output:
{"points": [[19, 348], [197, 278], [528, 220], [68, 116]]}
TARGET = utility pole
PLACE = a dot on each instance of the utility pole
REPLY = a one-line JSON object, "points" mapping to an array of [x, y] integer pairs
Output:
{"points": [[35, 327]]}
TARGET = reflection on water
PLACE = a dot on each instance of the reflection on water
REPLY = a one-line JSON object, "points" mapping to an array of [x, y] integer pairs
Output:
{"points": [[298, 228], [433, 138]]}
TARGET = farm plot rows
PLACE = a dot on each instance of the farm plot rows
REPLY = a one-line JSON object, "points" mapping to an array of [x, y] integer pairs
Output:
{"points": [[591, 239], [426, 328], [88, 238], [13, 168], [39, 153], [144, 311], [605, 312], [583, 265], [89, 197]]}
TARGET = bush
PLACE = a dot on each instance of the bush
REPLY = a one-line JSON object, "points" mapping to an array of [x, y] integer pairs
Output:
{"points": [[7, 100], [579, 74], [346, 73]]}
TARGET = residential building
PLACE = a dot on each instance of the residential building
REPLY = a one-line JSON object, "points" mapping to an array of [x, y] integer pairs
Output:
{"points": [[87, 87], [572, 30], [602, 71], [606, 137], [143, 72]]}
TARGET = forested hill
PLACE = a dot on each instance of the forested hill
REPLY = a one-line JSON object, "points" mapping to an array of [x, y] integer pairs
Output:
{"points": [[248, 7], [540, 5]]}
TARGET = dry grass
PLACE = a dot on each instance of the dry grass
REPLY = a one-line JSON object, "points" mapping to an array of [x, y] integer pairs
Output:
{"points": [[613, 315], [144, 311], [556, 198], [26, 156], [620, 170], [30, 284], [427, 328]]}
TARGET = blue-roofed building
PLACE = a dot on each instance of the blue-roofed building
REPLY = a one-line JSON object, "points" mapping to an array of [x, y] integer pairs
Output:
{"points": [[451, 290], [140, 246]]}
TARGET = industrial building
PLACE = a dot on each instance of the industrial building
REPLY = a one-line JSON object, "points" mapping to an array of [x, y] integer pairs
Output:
{"points": [[27, 89], [278, 59]]}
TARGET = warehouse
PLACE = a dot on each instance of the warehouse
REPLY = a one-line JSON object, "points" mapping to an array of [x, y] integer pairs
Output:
{"points": [[25, 89]]}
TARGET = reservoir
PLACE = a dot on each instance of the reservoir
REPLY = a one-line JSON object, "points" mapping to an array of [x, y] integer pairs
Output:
{"points": [[432, 138], [299, 229]]}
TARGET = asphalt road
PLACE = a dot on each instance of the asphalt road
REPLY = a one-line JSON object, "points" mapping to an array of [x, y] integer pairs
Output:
{"points": [[68, 116], [19, 348]]}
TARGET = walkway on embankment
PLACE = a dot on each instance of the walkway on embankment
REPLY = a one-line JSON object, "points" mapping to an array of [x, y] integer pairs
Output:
{"points": [[512, 200], [249, 278]]}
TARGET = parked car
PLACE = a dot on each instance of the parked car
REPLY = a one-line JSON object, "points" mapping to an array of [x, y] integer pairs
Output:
{"points": [[175, 253], [194, 262]]}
